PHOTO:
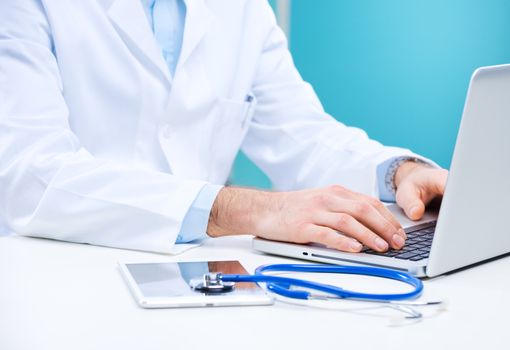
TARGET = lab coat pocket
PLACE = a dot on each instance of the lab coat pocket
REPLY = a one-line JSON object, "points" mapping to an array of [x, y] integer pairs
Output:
{"points": [[232, 119]]}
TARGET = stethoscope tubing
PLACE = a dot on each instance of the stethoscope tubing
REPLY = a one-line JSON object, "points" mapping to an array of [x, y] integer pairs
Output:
{"points": [[282, 285]]}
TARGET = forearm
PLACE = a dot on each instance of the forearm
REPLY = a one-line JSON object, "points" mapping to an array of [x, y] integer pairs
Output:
{"points": [[239, 211], [88, 200]]}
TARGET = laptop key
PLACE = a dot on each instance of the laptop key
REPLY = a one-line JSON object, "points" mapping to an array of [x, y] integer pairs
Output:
{"points": [[407, 249], [392, 253], [414, 234], [373, 252], [417, 258], [406, 255]]}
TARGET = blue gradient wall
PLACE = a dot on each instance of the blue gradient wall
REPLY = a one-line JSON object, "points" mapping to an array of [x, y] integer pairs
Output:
{"points": [[397, 68]]}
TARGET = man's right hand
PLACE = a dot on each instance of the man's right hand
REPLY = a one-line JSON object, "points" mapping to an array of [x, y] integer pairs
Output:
{"points": [[333, 216]]}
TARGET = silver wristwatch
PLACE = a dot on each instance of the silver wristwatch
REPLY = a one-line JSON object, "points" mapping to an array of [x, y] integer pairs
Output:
{"points": [[389, 180]]}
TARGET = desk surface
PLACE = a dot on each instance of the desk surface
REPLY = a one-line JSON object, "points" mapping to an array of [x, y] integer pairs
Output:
{"points": [[56, 295]]}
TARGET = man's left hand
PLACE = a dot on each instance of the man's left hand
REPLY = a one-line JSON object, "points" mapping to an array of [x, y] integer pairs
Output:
{"points": [[417, 185]]}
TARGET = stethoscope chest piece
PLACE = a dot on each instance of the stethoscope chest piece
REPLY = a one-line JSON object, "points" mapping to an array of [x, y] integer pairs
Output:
{"points": [[212, 283]]}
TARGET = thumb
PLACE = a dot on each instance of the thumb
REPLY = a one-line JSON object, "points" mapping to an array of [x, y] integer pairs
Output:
{"points": [[409, 199]]}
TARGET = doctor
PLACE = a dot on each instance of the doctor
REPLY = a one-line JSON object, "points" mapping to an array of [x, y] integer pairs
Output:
{"points": [[120, 120]]}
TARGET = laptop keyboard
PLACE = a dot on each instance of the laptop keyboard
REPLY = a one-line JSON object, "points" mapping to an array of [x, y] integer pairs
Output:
{"points": [[417, 245]]}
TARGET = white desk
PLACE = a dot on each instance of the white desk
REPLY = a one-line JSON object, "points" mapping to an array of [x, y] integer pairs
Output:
{"points": [[56, 295]]}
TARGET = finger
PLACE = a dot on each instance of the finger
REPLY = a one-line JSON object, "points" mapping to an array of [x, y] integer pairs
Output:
{"points": [[436, 183], [332, 239], [409, 198], [367, 215], [377, 204], [385, 212], [351, 227], [414, 195], [431, 185]]}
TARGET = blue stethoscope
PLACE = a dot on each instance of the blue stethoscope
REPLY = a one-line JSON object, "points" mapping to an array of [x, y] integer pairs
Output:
{"points": [[286, 286]]}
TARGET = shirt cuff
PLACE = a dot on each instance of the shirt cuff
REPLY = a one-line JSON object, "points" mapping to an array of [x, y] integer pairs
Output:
{"points": [[194, 225], [386, 175]]}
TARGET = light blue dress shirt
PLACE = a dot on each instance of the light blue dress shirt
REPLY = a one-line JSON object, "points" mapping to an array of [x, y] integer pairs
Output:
{"points": [[166, 18], [386, 194]]}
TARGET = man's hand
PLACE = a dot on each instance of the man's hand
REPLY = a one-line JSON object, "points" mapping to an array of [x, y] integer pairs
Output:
{"points": [[317, 215], [417, 184], [333, 216]]}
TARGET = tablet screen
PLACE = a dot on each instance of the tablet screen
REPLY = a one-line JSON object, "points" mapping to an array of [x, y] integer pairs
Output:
{"points": [[159, 280], [156, 282]]}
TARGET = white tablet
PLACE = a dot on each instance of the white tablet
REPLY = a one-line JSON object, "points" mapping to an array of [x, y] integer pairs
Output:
{"points": [[167, 285]]}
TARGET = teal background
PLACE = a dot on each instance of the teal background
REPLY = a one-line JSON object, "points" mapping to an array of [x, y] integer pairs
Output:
{"points": [[399, 69]]}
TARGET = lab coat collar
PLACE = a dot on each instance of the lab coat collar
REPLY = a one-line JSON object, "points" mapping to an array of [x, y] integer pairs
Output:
{"points": [[130, 21], [198, 20]]}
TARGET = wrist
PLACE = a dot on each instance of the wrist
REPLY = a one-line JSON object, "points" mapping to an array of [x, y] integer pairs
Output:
{"points": [[405, 169]]}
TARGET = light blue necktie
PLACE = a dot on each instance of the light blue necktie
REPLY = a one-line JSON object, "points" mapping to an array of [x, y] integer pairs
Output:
{"points": [[168, 26]]}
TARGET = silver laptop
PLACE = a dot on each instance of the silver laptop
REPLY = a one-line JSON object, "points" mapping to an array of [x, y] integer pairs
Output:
{"points": [[473, 222]]}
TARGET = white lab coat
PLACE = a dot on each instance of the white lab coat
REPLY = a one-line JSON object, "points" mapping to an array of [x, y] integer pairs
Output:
{"points": [[98, 144]]}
